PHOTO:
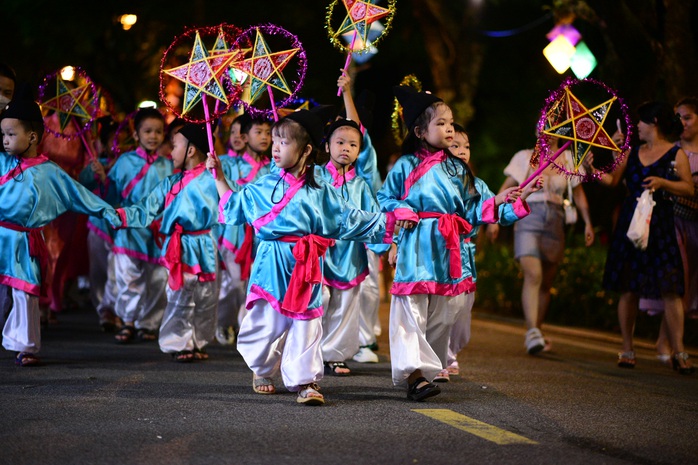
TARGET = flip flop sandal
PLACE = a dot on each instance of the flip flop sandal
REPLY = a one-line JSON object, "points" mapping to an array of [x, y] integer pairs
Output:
{"points": [[125, 335], [259, 382], [146, 335], [25, 359], [183, 356], [309, 395], [421, 393], [200, 354], [331, 368]]}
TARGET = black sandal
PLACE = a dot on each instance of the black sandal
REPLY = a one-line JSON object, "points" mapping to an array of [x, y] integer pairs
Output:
{"points": [[125, 335], [331, 368], [416, 393], [147, 335], [26, 359]]}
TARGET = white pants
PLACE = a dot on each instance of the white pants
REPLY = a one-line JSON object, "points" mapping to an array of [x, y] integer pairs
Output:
{"points": [[269, 341], [420, 326], [22, 329], [231, 297], [460, 331], [369, 303], [102, 281], [140, 294], [340, 323], [189, 321]]}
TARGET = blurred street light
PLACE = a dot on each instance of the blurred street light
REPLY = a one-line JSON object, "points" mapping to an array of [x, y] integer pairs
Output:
{"points": [[127, 21], [67, 73]]}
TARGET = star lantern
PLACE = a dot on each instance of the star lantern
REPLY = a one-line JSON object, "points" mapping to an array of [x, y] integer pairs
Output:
{"points": [[265, 68], [564, 116], [582, 126], [203, 74]]}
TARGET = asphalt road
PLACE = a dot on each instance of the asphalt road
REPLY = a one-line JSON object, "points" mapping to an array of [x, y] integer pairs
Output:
{"points": [[95, 402]]}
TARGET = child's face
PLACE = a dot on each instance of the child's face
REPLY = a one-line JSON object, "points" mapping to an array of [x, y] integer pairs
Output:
{"points": [[259, 137], [151, 134], [236, 140], [7, 90], [179, 151], [460, 147], [286, 153], [439, 133], [344, 146], [15, 139]]}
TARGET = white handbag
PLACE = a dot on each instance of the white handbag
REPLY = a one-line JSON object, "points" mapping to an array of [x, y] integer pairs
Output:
{"points": [[639, 229]]}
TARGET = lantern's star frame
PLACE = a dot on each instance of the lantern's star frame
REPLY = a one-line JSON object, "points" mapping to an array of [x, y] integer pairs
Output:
{"points": [[205, 73], [360, 15], [564, 116], [264, 68], [73, 101]]}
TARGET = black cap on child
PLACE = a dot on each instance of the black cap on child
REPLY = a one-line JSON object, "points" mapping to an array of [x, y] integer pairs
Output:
{"points": [[23, 107], [196, 135], [314, 121], [413, 103]]}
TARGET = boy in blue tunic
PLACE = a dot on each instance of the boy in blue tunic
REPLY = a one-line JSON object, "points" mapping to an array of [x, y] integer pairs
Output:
{"points": [[33, 192], [188, 202]]}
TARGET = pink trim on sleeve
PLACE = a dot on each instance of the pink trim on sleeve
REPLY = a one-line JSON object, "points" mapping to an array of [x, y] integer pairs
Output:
{"points": [[221, 205], [521, 208], [390, 219], [490, 212]]}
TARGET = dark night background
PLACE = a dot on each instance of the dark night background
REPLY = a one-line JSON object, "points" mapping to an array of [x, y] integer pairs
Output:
{"points": [[645, 49]]}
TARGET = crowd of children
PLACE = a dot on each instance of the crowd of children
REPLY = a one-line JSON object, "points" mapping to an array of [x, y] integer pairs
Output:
{"points": [[267, 246]]}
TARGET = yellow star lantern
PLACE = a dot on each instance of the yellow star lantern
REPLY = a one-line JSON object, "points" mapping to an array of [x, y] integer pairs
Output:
{"points": [[70, 103], [582, 126], [360, 15], [202, 75], [265, 68]]}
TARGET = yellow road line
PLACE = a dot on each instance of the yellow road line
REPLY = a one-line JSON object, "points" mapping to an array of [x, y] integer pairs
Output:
{"points": [[473, 426]]}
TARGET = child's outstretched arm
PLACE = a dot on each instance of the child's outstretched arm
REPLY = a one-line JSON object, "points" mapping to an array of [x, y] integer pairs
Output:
{"points": [[213, 164], [344, 83]]}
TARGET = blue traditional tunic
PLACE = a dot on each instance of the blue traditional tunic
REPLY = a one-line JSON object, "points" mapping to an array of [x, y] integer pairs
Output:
{"points": [[238, 238], [132, 178], [430, 188], [32, 194], [189, 207], [287, 216], [88, 179], [367, 164], [346, 263]]}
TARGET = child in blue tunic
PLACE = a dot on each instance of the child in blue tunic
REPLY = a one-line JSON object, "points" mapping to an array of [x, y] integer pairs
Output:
{"points": [[188, 202], [236, 242], [33, 192], [140, 277], [431, 188], [296, 218], [346, 266]]}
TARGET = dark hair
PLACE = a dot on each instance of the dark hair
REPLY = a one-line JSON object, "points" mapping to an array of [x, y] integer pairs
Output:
{"points": [[458, 128], [663, 116], [144, 114], [691, 102], [33, 126], [246, 124], [8, 72], [293, 130], [412, 143], [453, 166]]}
